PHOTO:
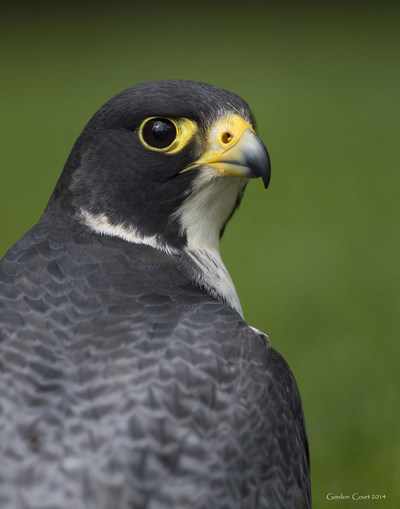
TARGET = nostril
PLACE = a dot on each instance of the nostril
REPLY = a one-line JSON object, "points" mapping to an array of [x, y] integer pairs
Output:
{"points": [[226, 137]]}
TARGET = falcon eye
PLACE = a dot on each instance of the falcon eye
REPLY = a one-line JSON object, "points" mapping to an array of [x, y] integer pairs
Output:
{"points": [[168, 135], [158, 133]]}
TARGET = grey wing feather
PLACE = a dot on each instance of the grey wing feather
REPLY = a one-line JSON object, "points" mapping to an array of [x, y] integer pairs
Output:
{"points": [[123, 385]]}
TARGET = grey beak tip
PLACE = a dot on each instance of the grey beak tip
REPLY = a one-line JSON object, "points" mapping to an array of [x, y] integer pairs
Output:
{"points": [[258, 160], [267, 174]]}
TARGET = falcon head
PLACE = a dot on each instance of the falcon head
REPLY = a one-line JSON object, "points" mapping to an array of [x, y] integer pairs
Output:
{"points": [[163, 163]]}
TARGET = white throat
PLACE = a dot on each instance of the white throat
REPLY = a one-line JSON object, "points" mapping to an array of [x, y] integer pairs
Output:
{"points": [[202, 217]]}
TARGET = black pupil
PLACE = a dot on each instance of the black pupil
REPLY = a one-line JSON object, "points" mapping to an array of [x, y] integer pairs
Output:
{"points": [[159, 132]]}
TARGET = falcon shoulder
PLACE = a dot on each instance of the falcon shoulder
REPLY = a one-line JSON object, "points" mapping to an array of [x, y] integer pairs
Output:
{"points": [[135, 394]]}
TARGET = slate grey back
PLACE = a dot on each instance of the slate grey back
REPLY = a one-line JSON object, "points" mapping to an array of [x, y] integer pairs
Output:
{"points": [[124, 385]]}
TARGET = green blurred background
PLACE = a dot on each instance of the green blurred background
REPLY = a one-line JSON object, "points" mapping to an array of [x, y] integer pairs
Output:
{"points": [[315, 259]]}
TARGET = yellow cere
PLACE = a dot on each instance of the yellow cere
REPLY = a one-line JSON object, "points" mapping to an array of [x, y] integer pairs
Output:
{"points": [[226, 132], [185, 130], [223, 136]]}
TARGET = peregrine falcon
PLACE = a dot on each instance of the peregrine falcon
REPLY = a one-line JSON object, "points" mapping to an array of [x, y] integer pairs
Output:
{"points": [[128, 376]]}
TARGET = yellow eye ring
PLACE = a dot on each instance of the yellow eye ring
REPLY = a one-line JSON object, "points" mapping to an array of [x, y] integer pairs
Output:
{"points": [[158, 133], [165, 134]]}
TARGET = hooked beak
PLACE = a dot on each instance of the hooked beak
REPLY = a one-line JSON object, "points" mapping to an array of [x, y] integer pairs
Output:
{"points": [[236, 150]]}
